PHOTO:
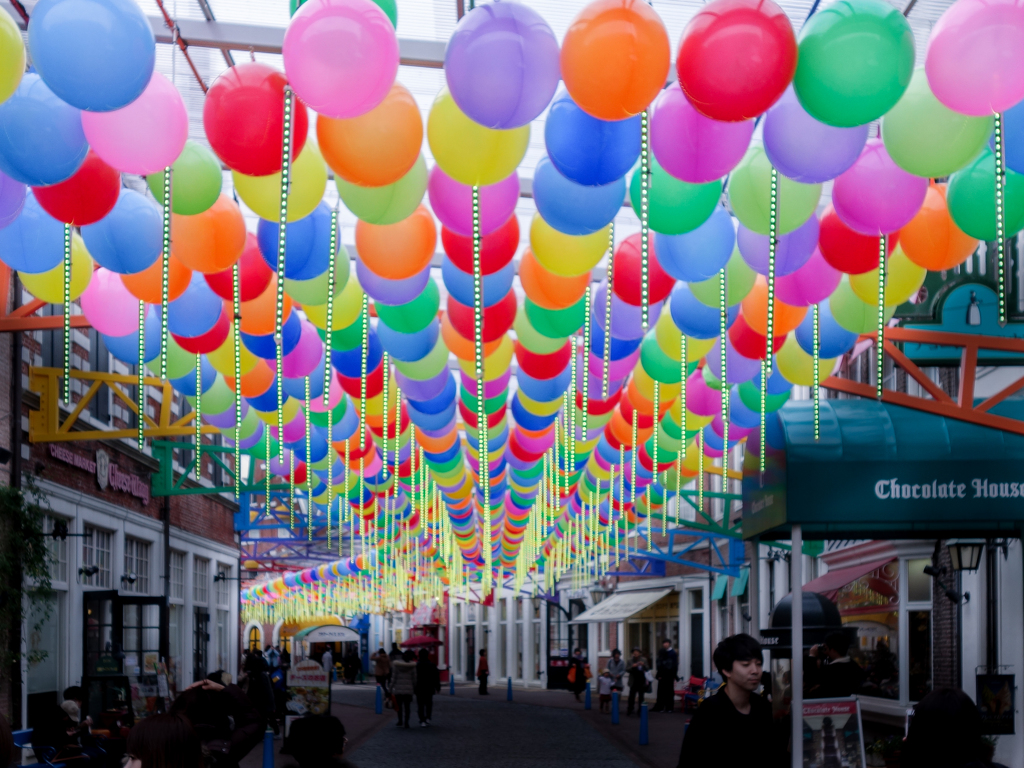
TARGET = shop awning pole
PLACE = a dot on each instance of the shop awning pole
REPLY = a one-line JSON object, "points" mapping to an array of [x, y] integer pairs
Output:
{"points": [[797, 643]]}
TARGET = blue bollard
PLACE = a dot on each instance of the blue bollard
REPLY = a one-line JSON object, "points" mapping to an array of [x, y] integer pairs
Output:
{"points": [[615, 707], [268, 749], [378, 704], [586, 698], [643, 725], [451, 679], [508, 694]]}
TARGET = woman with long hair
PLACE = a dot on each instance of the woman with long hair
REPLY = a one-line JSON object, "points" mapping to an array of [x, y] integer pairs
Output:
{"points": [[163, 741]]}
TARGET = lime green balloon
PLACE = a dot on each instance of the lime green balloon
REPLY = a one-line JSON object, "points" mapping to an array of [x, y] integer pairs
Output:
{"points": [[319, 418], [750, 395], [12, 56], [556, 323], [926, 138], [853, 314], [313, 292], [536, 342], [710, 379], [674, 206], [388, 204], [308, 180], [427, 367], [217, 399], [656, 363], [855, 61], [196, 180], [414, 315], [971, 197], [750, 195], [179, 362], [739, 279]]}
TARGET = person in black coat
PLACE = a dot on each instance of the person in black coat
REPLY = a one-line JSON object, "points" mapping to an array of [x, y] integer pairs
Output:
{"points": [[428, 682], [667, 672], [734, 728], [636, 670], [579, 683], [837, 674], [225, 720]]}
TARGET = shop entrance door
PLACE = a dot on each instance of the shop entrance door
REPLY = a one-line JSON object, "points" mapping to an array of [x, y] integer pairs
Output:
{"points": [[200, 643], [470, 653]]}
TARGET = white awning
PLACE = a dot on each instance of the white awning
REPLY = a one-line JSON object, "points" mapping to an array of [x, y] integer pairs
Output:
{"points": [[620, 606]]}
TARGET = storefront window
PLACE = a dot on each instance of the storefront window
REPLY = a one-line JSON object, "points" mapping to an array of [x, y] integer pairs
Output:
{"points": [[920, 646], [871, 605]]}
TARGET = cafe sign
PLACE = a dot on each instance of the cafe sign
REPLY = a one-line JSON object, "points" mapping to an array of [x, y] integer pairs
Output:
{"points": [[108, 474]]}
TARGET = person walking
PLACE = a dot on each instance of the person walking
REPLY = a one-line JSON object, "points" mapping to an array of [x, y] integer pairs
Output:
{"points": [[403, 686], [328, 661], [578, 669], [637, 671], [382, 670], [667, 674], [616, 668], [428, 682], [482, 671]]}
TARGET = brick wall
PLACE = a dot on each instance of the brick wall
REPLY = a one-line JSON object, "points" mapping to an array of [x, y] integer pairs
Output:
{"points": [[944, 628]]}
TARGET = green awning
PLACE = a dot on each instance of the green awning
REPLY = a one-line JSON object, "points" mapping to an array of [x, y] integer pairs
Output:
{"points": [[740, 585], [721, 582]]}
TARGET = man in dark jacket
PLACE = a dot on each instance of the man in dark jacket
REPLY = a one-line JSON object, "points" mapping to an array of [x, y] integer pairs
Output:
{"points": [[667, 672], [839, 675], [225, 720], [637, 673], [733, 728]]}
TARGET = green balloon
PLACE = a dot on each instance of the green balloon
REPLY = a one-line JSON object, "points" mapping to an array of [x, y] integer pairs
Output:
{"points": [[179, 362], [926, 138], [531, 339], [346, 338], [250, 425], [491, 404], [217, 399], [259, 450], [413, 316], [739, 279], [853, 314], [971, 197], [319, 418], [674, 206], [656, 363], [314, 291], [750, 195], [427, 367], [196, 180], [556, 323], [710, 379], [388, 204], [855, 61], [750, 395]]}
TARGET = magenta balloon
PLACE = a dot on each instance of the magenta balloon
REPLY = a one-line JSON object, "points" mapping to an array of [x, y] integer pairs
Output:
{"points": [[491, 388], [108, 305], [626, 319], [334, 396], [293, 430], [974, 63], [812, 283], [701, 399], [391, 292], [791, 250], [535, 444], [875, 196], [452, 202], [304, 357], [804, 149], [736, 432], [738, 368], [692, 147], [617, 369]]}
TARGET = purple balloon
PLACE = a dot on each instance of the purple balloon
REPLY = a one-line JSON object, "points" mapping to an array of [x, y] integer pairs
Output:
{"points": [[12, 199], [692, 147], [425, 389], [452, 202], [791, 251], [626, 318], [502, 65], [875, 196], [804, 149], [738, 368], [813, 282], [225, 420], [247, 442], [391, 292]]}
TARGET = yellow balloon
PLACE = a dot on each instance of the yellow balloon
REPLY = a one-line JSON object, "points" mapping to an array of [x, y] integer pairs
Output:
{"points": [[313, 292], [289, 408], [347, 307], [223, 358], [903, 278], [645, 384], [495, 364], [49, 286], [308, 181], [797, 367], [566, 255], [469, 152], [12, 56]]}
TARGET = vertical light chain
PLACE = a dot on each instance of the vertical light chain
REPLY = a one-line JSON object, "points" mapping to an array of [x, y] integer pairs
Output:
{"points": [[291, 487], [309, 471], [67, 314], [199, 418], [700, 470], [816, 391], [764, 392], [236, 320], [570, 452], [609, 278], [1000, 158], [266, 469], [645, 235], [348, 509], [141, 384], [387, 495], [362, 374], [330, 477], [328, 370], [165, 261], [286, 168], [482, 434], [723, 320], [880, 331], [773, 243], [586, 363], [654, 458], [622, 497], [681, 455]]}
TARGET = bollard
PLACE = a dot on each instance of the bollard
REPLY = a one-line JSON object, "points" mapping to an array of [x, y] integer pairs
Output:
{"points": [[451, 683], [615, 707], [643, 725], [586, 698], [508, 694], [268, 749], [378, 704]]}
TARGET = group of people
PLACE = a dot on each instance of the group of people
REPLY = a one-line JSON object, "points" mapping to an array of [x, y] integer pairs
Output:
{"points": [[403, 675], [639, 676]]}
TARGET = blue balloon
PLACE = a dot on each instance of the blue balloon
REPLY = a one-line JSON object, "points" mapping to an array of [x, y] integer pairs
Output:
{"points": [[267, 402], [130, 238], [494, 444], [739, 414], [41, 137], [1013, 137], [348, 362], [126, 348], [408, 347], [94, 54], [620, 347], [307, 244], [587, 150], [571, 208], [317, 444], [544, 390], [777, 383], [34, 242], [694, 318], [265, 346], [196, 311], [439, 402], [833, 339], [460, 284], [187, 384], [431, 421], [701, 253], [528, 420]]}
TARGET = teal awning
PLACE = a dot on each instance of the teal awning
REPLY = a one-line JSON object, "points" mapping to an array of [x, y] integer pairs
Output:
{"points": [[740, 585], [721, 582]]}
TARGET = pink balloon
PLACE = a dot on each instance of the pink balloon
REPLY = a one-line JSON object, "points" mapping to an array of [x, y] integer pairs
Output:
{"points": [[144, 137], [341, 56], [293, 430], [875, 196], [692, 147], [305, 357], [974, 63], [452, 202], [108, 306], [335, 394], [701, 399], [812, 283]]}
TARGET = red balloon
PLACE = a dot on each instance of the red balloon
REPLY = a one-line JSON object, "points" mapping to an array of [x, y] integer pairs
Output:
{"points": [[749, 342], [736, 58], [543, 366], [209, 341], [300, 474], [86, 197], [596, 407], [497, 319], [519, 451], [626, 275], [846, 250], [496, 248], [352, 386], [469, 417], [243, 115], [254, 274]]}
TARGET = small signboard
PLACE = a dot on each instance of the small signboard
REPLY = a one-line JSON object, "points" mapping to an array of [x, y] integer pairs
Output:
{"points": [[995, 702], [833, 735], [309, 691]]}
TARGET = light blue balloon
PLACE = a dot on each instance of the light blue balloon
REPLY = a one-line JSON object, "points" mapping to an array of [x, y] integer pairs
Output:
{"points": [[700, 253], [187, 383], [409, 347], [130, 238], [695, 318], [571, 208], [196, 311], [126, 348], [460, 284], [833, 339], [94, 54], [739, 414], [41, 137], [588, 150], [34, 242]]}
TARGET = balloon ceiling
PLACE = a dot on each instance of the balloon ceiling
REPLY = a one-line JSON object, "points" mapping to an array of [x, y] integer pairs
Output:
{"points": [[463, 436]]}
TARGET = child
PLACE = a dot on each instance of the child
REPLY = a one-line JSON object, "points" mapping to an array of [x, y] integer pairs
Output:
{"points": [[604, 689]]}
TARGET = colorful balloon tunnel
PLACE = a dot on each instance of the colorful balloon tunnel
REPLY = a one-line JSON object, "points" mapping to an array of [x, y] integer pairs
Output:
{"points": [[750, 195], [313, 292], [210, 241], [34, 241], [96, 55], [307, 244], [972, 203], [49, 286], [130, 238], [86, 197], [196, 180], [700, 253], [876, 196], [253, 274], [571, 208], [307, 183], [12, 56], [452, 202], [588, 150], [627, 270], [674, 206], [108, 306], [932, 239]]}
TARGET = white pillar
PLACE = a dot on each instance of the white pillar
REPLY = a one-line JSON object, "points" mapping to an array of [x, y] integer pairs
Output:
{"points": [[797, 644]]}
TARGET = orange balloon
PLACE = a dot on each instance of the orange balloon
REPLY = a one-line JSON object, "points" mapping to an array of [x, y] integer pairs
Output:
{"points": [[377, 148], [210, 241], [615, 58], [459, 345], [755, 311], [932, 239], [397, 251], [256, 382], [436, 444], [258, 315], [547, 289], [146, 285]]}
